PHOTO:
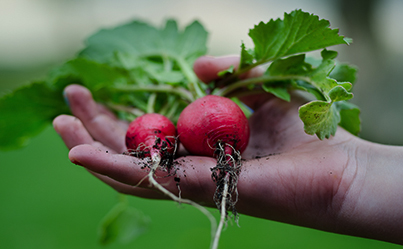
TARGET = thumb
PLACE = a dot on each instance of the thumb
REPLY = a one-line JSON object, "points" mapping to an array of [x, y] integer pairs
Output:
{"points": [[208, 67]]}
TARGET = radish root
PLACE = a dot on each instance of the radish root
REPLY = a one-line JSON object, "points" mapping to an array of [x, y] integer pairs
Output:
{"points": [[156, 159], [166, 163], [225, 175]]}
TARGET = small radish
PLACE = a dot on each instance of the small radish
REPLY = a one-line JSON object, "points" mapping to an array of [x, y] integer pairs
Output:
{"points": [[216, 126], [209, 120], [154, 136]]}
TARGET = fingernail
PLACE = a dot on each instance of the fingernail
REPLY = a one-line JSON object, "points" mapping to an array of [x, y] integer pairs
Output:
{"points": [[76, 162], [56, 130], [66, 99]]}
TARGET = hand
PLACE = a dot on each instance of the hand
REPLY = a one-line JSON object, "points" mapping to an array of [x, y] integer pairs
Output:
{"points": [[334, 185]]}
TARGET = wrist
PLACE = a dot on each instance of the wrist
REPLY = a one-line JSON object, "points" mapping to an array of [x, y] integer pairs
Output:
{"points": [[373, 206]]}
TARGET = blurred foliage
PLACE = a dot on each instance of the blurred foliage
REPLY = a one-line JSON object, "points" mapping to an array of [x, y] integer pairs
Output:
{"points": [[10, 79]]}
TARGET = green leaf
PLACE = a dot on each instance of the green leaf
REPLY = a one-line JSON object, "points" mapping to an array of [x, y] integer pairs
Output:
{"points": [[245, 109], [293, 65], [153, 55], [319, 118], [304, 86], [124, 65], [139, 39], [322, 117], [122, 224], [101, 79], [89, 73], [305, 77], [229, 70], [299, 32], [27, 111], [319, 76], [247, 57], [169, 77], [350, 117], [279, 92], [142, 71], [344, 73], [328, 54], [192, 42]]}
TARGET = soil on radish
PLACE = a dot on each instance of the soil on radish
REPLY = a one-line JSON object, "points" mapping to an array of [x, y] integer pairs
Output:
{"points": [[167, 157], [226, 165]]}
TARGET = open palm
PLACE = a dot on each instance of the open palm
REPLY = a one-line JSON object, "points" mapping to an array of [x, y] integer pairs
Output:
{"points": [[287, 175]]}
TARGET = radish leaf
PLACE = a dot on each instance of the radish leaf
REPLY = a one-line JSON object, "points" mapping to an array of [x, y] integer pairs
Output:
{"points": [[350, 117], [139, 39], [89, 73], [322, 117], [247, 57], [27, 111], [122, 224], [344, 73], [279, 92], [124, 65], [299, 32]]}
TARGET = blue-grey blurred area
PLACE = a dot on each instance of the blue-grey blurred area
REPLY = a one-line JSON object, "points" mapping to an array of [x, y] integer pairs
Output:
{"points": [[37, 34]]}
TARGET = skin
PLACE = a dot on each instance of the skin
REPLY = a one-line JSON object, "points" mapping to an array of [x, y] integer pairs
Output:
{"points": [[343, 184]]}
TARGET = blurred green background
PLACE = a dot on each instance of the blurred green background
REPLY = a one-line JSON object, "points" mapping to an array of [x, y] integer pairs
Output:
{"points": [[47, 202]]}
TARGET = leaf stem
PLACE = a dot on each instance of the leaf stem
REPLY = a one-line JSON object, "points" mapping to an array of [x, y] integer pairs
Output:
{"points": [[240, 71], [185, 94], [151, 103], [191, 77], [122, 198], [172, 110], [167, 63], [156, 159], [132, 110], [258, 80]]}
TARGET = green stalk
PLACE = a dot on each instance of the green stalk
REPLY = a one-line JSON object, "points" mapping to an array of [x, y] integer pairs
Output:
{"points": [[151, 103], [166, 108], [194, 88], [238, 72], [258, 80], [186, 95], [122, 198], [167, 63], [191, 77], [135, 111], [172, 110]]}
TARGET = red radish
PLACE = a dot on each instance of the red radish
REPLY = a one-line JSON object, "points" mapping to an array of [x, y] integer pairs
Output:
{"points": [[209, 120], [151, 135], [216, 126], [154, 136]]}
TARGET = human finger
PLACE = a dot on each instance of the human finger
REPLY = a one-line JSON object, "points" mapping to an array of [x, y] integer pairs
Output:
{"points": [[129, 189], [103, 110], [191, 173], [101, 126], [73, 133], [208, 67]]}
